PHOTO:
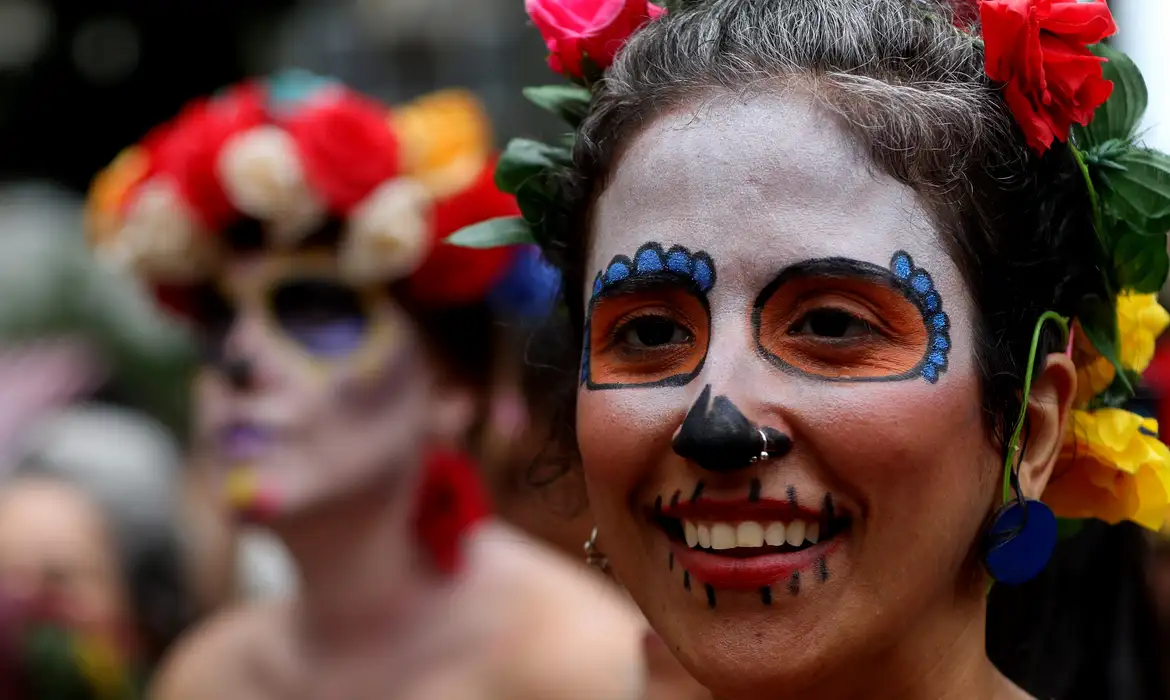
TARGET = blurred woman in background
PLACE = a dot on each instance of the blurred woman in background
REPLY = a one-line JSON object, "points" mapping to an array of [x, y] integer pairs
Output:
{"points": [[348, 351]]}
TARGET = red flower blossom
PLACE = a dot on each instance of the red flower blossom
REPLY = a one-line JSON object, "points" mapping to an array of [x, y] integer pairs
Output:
{"points": [[1038, 49], [595, 29]]}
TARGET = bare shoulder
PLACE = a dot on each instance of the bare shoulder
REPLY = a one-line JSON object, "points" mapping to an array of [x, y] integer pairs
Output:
{"points": [[575, 635], [218, 658]]}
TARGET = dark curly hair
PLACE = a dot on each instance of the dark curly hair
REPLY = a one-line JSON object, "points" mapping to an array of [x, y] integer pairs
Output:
{"points": [[910, 87]]}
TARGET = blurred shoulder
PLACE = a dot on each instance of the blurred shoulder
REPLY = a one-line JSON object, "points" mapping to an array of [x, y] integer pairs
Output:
{"points": [[223, 656], [575, 635]]}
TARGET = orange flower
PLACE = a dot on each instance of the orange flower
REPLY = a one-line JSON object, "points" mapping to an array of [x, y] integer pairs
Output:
{"points": [[446, 140], [1113, 468]]}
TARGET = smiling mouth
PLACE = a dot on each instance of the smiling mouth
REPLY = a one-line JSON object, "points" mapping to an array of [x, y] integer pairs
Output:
{"points": [[750, 544]]}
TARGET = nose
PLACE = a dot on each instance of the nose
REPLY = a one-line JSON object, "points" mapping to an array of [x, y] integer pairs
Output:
{"points": [[718, 437], [239, 372]]}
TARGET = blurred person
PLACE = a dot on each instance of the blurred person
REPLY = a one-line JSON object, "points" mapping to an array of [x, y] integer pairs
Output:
{"points": [[348, 345], [89, 545]]}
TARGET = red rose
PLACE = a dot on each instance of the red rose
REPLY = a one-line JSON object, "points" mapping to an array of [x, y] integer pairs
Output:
{"points": [[1038, 49], [593, 29], [346, 146], [187, 150], [455, 275]]}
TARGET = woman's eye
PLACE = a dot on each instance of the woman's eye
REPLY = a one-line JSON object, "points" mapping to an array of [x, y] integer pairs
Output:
{"points": [[653, 332], [831, 323]]}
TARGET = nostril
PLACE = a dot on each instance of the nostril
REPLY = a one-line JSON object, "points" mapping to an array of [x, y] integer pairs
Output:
{"points": [[238, 372], [778, 443]]}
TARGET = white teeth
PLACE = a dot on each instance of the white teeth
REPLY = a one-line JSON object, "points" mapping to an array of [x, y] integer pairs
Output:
{"points": [[794, 533], [722, 536], [774, 535], [749, 535]]}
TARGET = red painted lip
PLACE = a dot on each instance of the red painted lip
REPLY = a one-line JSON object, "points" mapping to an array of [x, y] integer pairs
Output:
{"points": [[749, 573], [739, 510]]}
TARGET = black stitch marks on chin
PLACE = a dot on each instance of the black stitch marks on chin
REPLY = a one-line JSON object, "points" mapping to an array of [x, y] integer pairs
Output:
{"points": [[716, 435], [710, 595], [822, 570], [794, 583], [903, 276], [766, 595], [686, 580], [650, 266], [698, 491], [754, 491], [674, 499], [670, 561], [658, 504], [792, 497]]}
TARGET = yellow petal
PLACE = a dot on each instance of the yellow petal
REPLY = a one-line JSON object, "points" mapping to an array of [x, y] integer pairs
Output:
{"points": [[446, 140]]}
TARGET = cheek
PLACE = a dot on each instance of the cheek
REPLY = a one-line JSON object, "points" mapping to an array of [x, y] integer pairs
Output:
{"points": [[623, 434]]}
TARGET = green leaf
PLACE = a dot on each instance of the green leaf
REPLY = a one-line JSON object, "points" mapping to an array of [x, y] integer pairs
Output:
{"points": [[1139, 191], [1121, 114], [1066, 527], [569, 102], [1141, 263], [493, 233], [1118, 394], [524, 159], [1098, 319]]}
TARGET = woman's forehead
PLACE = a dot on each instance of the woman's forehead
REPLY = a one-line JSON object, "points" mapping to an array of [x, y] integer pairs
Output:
{"points": [[760, 185]]}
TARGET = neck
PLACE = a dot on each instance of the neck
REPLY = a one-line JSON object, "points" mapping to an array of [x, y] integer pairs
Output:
{"points": [[361, 568]]}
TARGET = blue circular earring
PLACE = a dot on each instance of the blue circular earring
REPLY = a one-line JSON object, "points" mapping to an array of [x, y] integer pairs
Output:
{"points": [[1019, 541]]}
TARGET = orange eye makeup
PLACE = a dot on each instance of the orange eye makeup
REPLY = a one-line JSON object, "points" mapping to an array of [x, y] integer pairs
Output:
{"points": [[845, 320], [649, 321]]}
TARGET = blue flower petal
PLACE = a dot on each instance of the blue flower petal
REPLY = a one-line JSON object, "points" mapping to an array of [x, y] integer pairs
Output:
{"points": [[597, 285], [932, 302], [941, 343], [938, 359], [939, 321], [930, 373]]}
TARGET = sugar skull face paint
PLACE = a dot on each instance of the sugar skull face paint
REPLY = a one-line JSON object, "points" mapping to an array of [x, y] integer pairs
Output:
{"points": [[799, 462], [649, 319], [848, 320], [313, 388]]}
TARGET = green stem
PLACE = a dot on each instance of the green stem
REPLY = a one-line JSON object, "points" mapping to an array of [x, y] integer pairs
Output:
{"points": [[1094, 201], [1015, 439]]}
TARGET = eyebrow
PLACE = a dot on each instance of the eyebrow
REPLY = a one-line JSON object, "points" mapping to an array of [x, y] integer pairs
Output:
{"points": [[835, 268], [649, 282]]}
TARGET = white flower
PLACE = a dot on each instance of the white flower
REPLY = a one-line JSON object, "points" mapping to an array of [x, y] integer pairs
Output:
{"points": [[389, 234], [264, 178], [160, 237]]}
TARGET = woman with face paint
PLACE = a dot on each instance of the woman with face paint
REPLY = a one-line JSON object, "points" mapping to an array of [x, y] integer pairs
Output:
{"points": [[302, 228], [857, 308]]}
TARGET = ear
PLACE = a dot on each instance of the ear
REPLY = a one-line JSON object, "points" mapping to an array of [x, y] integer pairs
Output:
{"points": [[1049, 408], [453, 411]]}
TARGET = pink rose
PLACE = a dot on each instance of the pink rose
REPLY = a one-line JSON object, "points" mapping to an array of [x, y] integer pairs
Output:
{"points": [[593, 29]]}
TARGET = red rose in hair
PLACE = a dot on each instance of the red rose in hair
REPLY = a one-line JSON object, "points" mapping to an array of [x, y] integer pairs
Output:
{"points": [[187, 150], [1038, 49], [347, 147], [593, 29]]}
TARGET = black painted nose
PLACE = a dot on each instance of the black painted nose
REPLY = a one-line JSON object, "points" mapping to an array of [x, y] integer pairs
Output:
{"points": [[717, 436], [239, 372]]}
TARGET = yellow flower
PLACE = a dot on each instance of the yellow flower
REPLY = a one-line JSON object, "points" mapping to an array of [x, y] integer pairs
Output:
{"points": [[446, 140], [1140, 320], [110, 189], [1112, 468]]}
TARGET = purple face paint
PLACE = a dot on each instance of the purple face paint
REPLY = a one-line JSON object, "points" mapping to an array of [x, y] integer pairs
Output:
{"points": [[241, 442]]}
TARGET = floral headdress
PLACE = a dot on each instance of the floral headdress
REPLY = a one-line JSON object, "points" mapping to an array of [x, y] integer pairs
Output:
{"points": [[1061, 84], [293, 153]]}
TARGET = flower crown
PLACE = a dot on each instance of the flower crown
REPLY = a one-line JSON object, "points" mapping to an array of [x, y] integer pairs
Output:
{"points": [[295, 153], [1061, 84]]}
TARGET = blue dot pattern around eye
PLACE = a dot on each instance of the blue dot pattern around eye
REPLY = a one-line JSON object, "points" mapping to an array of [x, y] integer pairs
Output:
{"points": [[651, 259], [919, 286]]}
